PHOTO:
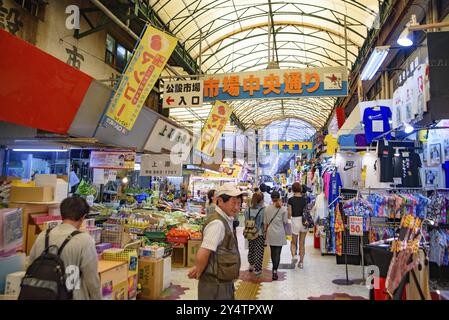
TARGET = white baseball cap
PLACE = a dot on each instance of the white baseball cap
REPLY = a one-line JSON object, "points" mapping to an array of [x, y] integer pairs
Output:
{"points": [[230, 189]]}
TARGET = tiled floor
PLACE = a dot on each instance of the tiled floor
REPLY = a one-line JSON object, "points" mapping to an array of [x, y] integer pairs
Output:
{"points": [[314, 281]]}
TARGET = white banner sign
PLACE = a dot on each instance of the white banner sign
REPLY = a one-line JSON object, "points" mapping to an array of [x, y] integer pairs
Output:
{"points": [[169, 137], [112, 160], [356, 226], [183, 94], [159, 166]]}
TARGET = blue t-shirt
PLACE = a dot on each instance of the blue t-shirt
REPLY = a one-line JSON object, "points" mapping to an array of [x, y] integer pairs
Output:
{"points": [[376, 121], [334, 187], [347, 140], [446, 170]]}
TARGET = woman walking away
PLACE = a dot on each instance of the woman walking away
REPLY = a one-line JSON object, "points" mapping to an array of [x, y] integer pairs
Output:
{"points": [[254, 216], [211, 202], [275, 217], [296, 206]]}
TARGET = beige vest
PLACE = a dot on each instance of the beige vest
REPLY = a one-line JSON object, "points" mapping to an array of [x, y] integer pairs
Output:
{"points": [[224, 263]]}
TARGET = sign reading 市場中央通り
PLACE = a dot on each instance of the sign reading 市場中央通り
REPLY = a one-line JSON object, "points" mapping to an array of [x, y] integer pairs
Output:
{"points": [[147, 63], [281, 84], [213, 128], [285, 146]]}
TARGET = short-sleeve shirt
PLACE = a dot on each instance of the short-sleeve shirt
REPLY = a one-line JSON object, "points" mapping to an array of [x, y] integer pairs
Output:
{"points": [[276, 230], [298, 204]]}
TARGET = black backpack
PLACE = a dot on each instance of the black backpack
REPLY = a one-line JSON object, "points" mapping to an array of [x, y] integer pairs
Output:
{"points": [[45, 278]]}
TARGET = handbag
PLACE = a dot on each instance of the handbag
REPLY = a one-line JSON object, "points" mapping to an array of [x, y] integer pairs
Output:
{"points": [[307, 220], [288, 229]]}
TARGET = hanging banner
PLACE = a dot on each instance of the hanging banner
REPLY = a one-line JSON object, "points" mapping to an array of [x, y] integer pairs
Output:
{"points": [[286, 146], [214, 128], [183, 94], [277, 84], [159, 165], [227, 171], [112, 160], [147, 63]]}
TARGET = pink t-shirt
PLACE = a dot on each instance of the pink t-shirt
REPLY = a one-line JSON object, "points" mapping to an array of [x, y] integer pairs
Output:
{"points": [[326, 180]]}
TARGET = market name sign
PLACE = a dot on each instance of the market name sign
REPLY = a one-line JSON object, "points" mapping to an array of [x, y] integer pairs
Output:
{"points": [[147, 63], [277, 84], [285, 146]]}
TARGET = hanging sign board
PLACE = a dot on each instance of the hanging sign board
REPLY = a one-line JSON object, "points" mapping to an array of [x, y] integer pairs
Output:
{"points": [[286, 146], [159, 166], [169, 137], [183, 94], [112, 160], [356, 226], [147, 63], [102, 176], [277, 84], [214, 128], [227, 171]]}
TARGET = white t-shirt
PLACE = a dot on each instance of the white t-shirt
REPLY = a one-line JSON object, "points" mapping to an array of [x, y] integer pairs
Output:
{"points": [[350, 168], [419, 80], [372, 163], [407, 106], [396, 108], [267, 199]]}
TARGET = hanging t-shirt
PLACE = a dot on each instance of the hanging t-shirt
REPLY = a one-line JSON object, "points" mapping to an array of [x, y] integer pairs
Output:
{"points": [[419, 76], [385, 152], [326, 182], [360, 140], [371, 163], [334, 187], [331, 143], [350, 167], [347, 140], [446, 170], [396, 108], [376, 121], [407, 107], [432, 177], [406, 166]]}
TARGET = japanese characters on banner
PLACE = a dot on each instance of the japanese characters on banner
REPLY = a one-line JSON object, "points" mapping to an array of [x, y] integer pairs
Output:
{"points": [[102, 176], [227, 171], [272, 84], [147, 63], [159, 165], [112, 160], [285, 146], [167, 136], [183, 94], [214, 128]]}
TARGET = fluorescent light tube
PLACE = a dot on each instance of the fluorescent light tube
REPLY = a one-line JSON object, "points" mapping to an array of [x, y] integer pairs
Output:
{"points": [[40, 150], [376, 59]]}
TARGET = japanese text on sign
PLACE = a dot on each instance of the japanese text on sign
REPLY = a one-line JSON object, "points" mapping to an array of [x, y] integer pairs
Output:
{"points": [[213, 128], [159, 166], [183, 94], [291, 83], [142, 73], [356, 226], [285, 146]]}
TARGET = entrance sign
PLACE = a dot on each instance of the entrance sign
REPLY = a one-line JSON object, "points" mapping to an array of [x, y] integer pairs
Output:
{"points": [[277, 84], [183, 94], [285, 146], [147, 63], [159, 165], [213, 128]]}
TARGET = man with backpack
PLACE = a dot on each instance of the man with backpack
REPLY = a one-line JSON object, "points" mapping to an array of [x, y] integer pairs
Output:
{"points": [[63, 261]]}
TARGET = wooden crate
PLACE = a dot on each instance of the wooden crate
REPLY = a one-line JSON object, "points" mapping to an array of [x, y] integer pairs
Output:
{"points": [[179, 256]]}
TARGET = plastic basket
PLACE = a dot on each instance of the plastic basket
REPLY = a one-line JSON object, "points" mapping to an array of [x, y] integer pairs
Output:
{"points": [[95, 233]]}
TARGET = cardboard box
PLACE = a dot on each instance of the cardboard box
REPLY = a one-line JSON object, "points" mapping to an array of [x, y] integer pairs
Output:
{"points": [[13, 281], [166, 276], [60, 186], [31, 194], [120, 291], [150, 278], [113, 276], [132, 286], [192, 249], [179, 256]]}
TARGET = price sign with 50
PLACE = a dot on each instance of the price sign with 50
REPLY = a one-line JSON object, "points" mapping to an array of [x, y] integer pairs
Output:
{"points": [[356, 226]]}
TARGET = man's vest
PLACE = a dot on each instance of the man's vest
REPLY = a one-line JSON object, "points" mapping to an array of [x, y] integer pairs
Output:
{"points": [[224, 263]]}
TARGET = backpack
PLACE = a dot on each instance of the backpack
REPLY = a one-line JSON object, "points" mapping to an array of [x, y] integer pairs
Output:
{"points": [[250, 232], [45, 278]]}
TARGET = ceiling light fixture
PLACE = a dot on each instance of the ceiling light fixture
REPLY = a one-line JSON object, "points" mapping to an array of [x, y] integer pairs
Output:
{"points": [[375, 61], [408, 128], [40, 150]]}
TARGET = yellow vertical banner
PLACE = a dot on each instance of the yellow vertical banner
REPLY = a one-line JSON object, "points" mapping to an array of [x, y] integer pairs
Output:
{"points": [[147, 63], [214, 128]]}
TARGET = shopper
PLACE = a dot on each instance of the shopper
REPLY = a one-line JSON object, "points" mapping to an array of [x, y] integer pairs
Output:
{"points": [[265, 190], [218, 259], [256, 246], [79, 254], [211, 202], [274, 219], [296, 206]]}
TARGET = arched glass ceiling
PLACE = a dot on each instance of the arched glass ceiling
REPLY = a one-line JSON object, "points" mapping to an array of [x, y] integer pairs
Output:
{"points": [[232, 36], [287, 130]]}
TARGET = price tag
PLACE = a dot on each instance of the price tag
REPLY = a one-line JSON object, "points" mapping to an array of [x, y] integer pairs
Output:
{"points": [[356, 226], [397, 180]]}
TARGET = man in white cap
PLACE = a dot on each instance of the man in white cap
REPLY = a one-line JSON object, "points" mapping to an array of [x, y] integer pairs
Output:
{"points": [[218, 259]]}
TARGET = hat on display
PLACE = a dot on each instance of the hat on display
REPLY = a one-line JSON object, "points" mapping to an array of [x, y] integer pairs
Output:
{"points": [[229, 189]]}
